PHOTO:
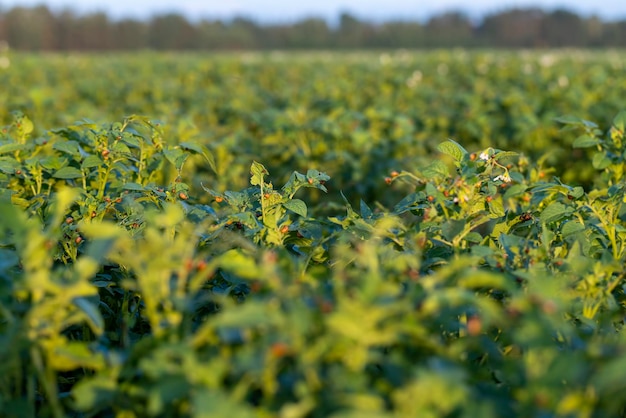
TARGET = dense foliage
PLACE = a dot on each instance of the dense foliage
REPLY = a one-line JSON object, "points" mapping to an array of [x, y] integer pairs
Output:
{"points": [[161, 270], [355, 116]]}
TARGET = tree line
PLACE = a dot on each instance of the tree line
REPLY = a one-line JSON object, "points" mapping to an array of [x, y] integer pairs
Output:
{"points": [[41, 29]]}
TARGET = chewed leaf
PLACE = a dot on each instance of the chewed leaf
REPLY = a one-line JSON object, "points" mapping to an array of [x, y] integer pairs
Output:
{"points": [[257, 173]]}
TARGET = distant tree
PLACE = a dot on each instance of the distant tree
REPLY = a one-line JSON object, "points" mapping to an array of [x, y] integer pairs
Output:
{"points": [[309, 33], [614, 34], [518, 28], [95, 31], [352, 33], [68, 31], [39, 29], [594, 28], [129, 34], [563, 28], [30, 28], [211, 34], [171, 31], [244, 33], [449, 29]]}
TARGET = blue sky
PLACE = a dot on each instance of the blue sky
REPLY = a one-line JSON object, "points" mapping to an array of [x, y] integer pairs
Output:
{"points": [[287, 10]]}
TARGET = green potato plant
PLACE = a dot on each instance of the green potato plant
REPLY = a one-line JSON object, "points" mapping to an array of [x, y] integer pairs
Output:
{"points": [[135, 283]]}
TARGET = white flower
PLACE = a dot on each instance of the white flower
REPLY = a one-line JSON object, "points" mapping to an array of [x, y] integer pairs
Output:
{"points": [[484, 156], [503, 177]]}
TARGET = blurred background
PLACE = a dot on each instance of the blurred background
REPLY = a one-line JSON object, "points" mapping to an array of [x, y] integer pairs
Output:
{"points": [[97, 25]]}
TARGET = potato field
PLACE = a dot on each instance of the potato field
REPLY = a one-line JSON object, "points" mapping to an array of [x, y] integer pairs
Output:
{"points": [[307, 235]]}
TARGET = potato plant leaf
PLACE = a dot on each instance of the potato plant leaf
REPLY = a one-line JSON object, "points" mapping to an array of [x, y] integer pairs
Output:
{"points": [[555, 211], [202, 150], [68, 173], [297, 206], [585, 141], [453, 149], [257, 173]]}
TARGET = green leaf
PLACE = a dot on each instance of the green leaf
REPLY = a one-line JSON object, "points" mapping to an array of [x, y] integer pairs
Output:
{"points": [[249, 315], [484, 279], [92, 161], [610, 378], [120, 148], [407, 204], [240, 264], [555, 211], [318, 178], [571, 228], [92, 312], [27, 125], [474, 237], [202, 150], [496, 207], [504, 155], [577, 192], [9, 166], [176, 156], [214, 403], [73, 355], [366, 212], [600, 161], [68, 173], [453, 149], [134, 186], [92, 393], [102, 230], [620, 121], [68, 147], [481, 251], [297, 206], [11, 147], [568, 120], [452, 228], [8, 259], [131, 138], [52, 163], [514, 190], [436, 169], [257, 172], [585, 141]]}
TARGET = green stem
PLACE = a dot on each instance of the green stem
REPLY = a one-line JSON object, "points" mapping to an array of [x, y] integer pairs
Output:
{"points": [[46, 376], [103, 182], [262, 201]]}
